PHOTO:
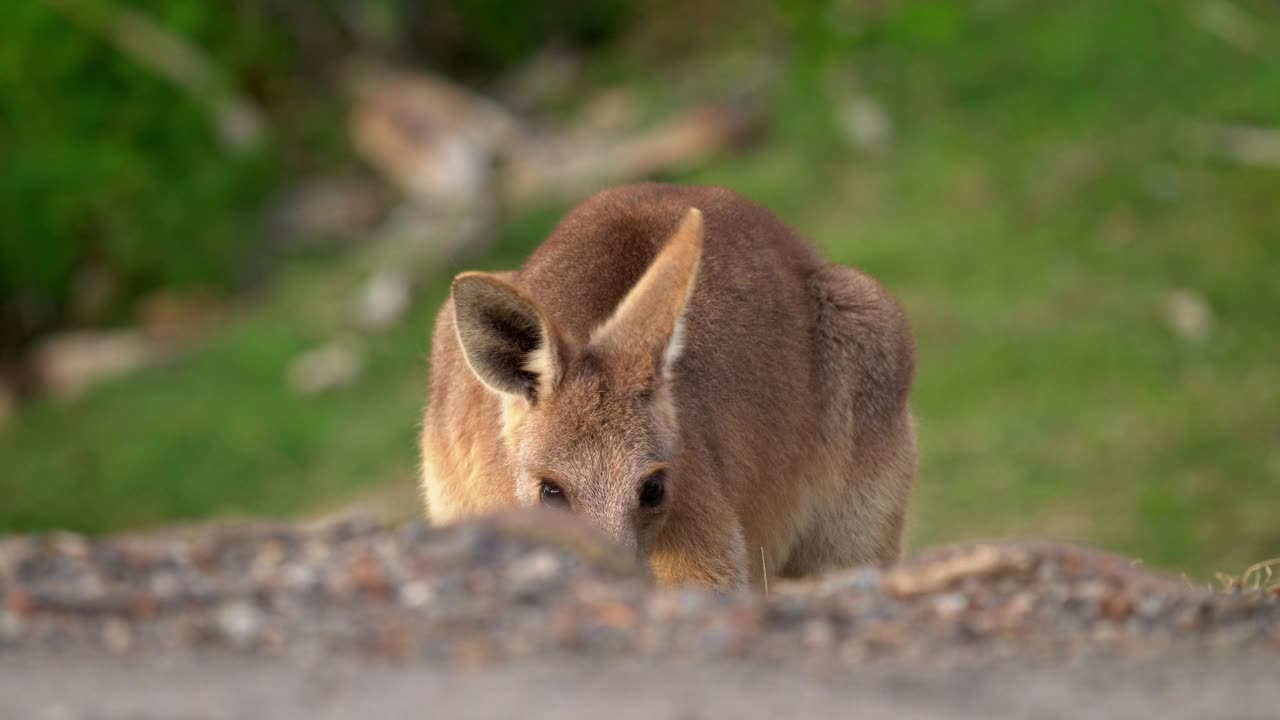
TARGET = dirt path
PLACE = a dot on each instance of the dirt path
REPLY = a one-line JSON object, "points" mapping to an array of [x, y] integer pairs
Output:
{"points": [[205, 689]]}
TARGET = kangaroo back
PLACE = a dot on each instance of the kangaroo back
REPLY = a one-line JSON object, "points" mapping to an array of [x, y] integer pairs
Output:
{"points": [[683, 370]]}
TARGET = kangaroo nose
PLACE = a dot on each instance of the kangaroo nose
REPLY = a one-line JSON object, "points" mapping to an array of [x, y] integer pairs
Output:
{"points": [[617, 529], [624, 538]]}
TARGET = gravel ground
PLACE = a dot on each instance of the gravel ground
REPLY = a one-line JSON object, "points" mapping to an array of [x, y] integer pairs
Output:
{"points": [[486, 615]]}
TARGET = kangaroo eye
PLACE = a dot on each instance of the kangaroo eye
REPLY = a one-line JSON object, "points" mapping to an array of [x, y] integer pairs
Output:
{"points": [[654, 489], [553, 496]]}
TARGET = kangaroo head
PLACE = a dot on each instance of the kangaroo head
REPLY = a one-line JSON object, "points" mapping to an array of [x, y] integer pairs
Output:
{"points": [[590, 428]]}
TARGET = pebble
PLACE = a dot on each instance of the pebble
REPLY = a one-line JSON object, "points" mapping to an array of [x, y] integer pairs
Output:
{"points": [[533, 570], [1018, 607], [71, 546], [267, 562], [1150, 605], [1091, 590], [1116, 607], [117, 637], [298, 576], [239, 623], [949, 606], [818, 634], [416, 594], [368, 574], [165, 586]]}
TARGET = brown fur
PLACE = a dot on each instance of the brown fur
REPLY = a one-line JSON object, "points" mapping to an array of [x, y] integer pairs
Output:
{"points": [[780, 414]]}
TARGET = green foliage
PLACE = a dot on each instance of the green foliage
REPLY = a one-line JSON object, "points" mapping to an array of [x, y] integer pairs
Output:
{"points": [[108, 163], [476, 38]]}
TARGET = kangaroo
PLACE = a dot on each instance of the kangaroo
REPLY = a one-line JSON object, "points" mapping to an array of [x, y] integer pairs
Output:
{"points": [[680, 369]]}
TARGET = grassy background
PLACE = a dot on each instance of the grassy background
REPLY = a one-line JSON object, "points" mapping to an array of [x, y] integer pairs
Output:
{"points": [[1039, 201]]}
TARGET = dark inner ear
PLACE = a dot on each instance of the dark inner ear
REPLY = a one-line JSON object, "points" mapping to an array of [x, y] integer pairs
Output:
{"points": [[512, 337], [498, 330]]}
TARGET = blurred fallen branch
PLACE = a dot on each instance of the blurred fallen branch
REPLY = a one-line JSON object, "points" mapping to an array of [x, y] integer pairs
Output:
{"points": [[1230, 23], [552, 168], [1244, 144], [69, 363], [442, 144], [434, 140], [237, 121], [462, 159]]}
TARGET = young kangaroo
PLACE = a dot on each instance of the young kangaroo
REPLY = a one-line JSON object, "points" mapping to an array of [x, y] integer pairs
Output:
{"points": [[686, 373]]}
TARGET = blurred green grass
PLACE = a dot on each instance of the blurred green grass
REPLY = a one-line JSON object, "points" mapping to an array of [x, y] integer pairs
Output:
{"points": [[1038, 203]]}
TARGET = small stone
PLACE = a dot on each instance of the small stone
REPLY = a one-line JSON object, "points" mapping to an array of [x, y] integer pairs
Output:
{"points": [[298, 576], [534, 569], [117, 637], [165, 586], [1105, 634], [1091, 590], [266, 562], [1150, 606], [142, 605], [71, 546], [180, 552], [315, 552], [1018, 607], [239, 623], [818, 634], [1117, 607], [416, 594], [949, 606], [91, 587], [1084, 609], [368, 575]]}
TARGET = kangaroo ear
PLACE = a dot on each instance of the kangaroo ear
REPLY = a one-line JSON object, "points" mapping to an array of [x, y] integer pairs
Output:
{"points": [[507, 341], [648, 325]]}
